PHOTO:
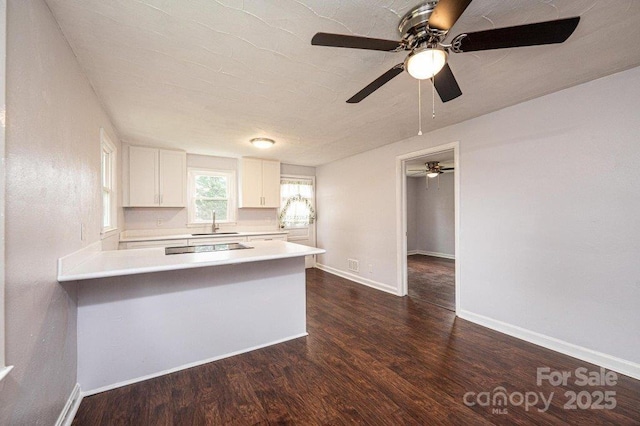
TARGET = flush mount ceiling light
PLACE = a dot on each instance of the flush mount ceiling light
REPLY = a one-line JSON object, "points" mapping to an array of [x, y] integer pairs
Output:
{"points": [[262, 143], [425, 62]]}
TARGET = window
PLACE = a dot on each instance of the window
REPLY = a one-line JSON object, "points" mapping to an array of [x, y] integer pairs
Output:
{"points": [[296, 202], [209, 191], [109, 198]]}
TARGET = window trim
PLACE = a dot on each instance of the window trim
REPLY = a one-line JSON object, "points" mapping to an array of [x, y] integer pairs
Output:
{"points": [[107, 145], [232, 193]]}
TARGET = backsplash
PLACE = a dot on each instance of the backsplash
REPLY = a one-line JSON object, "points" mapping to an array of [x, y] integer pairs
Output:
{"points": [[176, 219]]}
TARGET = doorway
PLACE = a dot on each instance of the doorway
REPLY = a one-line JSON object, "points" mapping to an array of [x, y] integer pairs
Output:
{"points": [[297, 211], [428, 258]]}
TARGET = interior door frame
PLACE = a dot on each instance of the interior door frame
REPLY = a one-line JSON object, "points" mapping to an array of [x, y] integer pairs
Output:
{"points": [[401, 208], [4, 369]]}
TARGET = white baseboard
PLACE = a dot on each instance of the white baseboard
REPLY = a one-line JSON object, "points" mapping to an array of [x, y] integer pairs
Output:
{"points": [[71, 407], [431, 253], [185, 366], [360, 280], [622, 366]]}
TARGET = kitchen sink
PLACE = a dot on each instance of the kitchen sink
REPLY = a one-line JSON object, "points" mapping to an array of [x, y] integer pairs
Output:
{"points": [[205, 248], [215, 233]]}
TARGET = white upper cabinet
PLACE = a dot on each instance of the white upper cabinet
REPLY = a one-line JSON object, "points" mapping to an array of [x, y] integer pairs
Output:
{"points": [[143, 177], [271, 183], [259, 183], [157, 177], [173, 178]]}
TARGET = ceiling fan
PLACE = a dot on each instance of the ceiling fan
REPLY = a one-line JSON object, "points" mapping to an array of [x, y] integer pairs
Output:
{"points": [[431, 169], [423, 31]]}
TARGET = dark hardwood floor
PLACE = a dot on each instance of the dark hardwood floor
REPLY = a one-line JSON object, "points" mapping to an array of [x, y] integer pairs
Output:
{"points": [[432, 279], [370, 358]]}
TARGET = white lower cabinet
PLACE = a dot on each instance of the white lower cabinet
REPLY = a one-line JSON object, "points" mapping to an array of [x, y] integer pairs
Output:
{"points": [[216, 240], [202, 241], [153, 244], [276, 237]]}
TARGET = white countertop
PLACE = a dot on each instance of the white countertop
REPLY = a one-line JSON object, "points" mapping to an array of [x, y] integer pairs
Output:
{"points": [[112, 263], [130, 239]]}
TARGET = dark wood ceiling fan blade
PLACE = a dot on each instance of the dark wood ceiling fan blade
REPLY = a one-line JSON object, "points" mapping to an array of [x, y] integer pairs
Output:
{"points": [[376, 84], [446, 84], [354, 42], [446, 13], [444, 169], [548, 32]]}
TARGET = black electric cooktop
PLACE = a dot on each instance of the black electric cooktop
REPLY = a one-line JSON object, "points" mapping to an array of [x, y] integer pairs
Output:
{"points": [[205, 248]]}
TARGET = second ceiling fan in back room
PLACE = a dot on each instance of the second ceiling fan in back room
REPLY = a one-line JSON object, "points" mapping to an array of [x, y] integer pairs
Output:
{"points": [[431, 169], [423, 31]]}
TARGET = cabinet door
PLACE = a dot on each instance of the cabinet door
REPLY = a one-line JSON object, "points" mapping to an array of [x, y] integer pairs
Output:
{"points": [[217, 240], [154, 244], [270, 184], [273, 237], [143, 177], [251, 183], [173, 175]]}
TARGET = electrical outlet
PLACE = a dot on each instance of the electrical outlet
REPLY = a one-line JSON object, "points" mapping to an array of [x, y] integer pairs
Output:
{"points": [[353, 265]]}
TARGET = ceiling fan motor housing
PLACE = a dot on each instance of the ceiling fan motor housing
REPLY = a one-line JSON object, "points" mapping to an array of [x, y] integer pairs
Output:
{"points": [[415, 30]]}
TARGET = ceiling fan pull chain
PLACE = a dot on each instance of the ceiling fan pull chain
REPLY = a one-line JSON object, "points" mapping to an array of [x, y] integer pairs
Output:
{"points": [[419, 110], [433, 99]]}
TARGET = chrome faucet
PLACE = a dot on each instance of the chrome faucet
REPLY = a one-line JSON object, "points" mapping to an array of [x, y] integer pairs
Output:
{"points": [[214, 228]]}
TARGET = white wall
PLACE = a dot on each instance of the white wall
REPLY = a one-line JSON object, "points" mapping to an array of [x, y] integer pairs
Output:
{"points": [[357, 219], [549, 214], [291, 169], [52, 187], [435, 215]]}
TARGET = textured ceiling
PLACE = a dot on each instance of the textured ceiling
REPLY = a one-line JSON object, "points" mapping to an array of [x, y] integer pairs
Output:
{"points": [[206, 76]]}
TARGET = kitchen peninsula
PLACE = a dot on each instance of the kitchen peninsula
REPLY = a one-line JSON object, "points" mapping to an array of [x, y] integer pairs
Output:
{"points": [[142, 313]]}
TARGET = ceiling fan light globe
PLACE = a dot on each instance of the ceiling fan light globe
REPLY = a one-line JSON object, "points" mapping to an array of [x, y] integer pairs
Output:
{"points": [[432, 174], [424, 63]]}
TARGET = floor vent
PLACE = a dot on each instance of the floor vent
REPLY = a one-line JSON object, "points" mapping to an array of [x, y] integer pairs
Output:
{"points": [[354, 265]]}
